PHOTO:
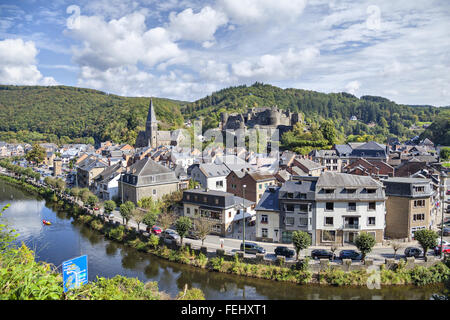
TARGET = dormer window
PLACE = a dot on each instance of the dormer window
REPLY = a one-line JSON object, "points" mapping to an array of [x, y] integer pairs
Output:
{"points": [[328, 191], [347, 190], [371, 190]]}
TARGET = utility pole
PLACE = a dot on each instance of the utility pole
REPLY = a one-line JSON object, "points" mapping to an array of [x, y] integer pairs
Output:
{"points": [[243, 215]]}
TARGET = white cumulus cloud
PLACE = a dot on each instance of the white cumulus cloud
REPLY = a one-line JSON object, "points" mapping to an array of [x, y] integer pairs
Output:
{"points": [[18, 64]]}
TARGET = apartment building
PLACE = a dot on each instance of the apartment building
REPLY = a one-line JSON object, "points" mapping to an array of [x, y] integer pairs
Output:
{"points": [[408, 205], [146, 178], [297, 207], [211, 176], [255, 182], [347, 205], [223, 208], [268, 216]]}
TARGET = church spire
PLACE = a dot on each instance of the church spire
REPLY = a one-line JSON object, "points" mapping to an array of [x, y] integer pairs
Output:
{"points": [[151, 117]]}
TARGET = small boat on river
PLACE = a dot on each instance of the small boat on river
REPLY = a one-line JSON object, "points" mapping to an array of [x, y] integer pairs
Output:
{"points": [[46, 222]]}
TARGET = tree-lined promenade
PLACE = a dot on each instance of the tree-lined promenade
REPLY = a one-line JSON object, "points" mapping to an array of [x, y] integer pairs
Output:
{"points": [[299, 272]]}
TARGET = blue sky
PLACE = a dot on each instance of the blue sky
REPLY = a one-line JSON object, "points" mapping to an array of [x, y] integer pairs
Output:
{"points": [[188, 49]]}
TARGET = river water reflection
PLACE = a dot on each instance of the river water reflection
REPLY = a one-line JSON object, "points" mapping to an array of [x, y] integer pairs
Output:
{"points": [[66, 239]]}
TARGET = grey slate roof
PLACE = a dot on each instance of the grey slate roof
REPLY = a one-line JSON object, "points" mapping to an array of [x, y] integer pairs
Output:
{"points": [[403, 187], [214, 170], [225, 199], [341, 182], [269, 200], [151, 117], [343, 150], [148, 172]]}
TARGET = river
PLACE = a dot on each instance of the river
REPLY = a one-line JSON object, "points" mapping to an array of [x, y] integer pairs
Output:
{"points": [[66, 239]]}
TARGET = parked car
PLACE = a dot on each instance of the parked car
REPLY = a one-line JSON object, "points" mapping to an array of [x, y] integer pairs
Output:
{"points": [[413, 252], [321, 254], [251, 247], [350, 254], [284, 251], [192, 235], [446, 232], [445, 243], [154, 229], [111, 216], [170, 234], [437, 250]]}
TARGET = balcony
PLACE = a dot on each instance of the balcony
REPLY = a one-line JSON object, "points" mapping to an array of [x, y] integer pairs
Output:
{"points": [[351, 226]]}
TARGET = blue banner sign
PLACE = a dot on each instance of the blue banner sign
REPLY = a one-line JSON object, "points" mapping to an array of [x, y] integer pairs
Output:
{"points": [[75, 272]]}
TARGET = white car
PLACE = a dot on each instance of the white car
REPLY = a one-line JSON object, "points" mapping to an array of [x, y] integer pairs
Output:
{"points": [[111, 216], [446, 243]]}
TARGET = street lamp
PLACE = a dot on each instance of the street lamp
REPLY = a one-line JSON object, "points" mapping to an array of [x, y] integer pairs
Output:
{"points": [[442, 202], [243, 214]]}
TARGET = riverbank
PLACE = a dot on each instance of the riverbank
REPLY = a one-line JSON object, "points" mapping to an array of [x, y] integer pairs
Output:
{"points": [[400, 273]]}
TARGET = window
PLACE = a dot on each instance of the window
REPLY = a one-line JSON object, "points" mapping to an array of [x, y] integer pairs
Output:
{"points": [[188, 210], [229, 214], [290, 195], [328, 221], [303, 207], [328, 236], [371, 190], [419, 203], [264, 233], [289, 207], [289, 221], [328, 191], [352, 206], [154, 192], [303, 222], [205, 199], [188, 197], [219, 183], [346, 190], [419, 189], [302, 195], [329, 206], [371, 221], [216, 200], [372, 205], [260, 186], [419, 217], [264, 218]]}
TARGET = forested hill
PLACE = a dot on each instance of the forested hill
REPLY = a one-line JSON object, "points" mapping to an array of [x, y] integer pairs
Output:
{"points": [[65, 114], [377, 116]]}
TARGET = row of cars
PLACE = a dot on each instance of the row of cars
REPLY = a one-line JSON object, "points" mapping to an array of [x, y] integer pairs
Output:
{"points": [[251, 247]]}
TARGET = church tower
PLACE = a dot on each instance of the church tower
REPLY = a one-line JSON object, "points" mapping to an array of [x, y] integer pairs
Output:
{"points": [[151, 127]]}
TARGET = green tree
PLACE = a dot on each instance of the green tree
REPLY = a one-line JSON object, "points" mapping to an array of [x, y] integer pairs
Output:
{"points": [[427, 239], [138, 216], [109, 206], [92, 200], [445, 153], [126, 211], [202, 228], [150, 218], [364, 242], [182, 226], [301, 241], [75, 192], [328, 130], [84, 194], [37, 154], [165, 220]]}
